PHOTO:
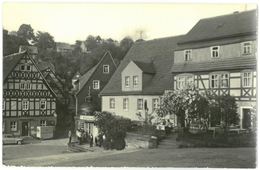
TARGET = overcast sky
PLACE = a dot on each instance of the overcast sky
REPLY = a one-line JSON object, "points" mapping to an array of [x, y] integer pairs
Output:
{"points": [[75, 21]]}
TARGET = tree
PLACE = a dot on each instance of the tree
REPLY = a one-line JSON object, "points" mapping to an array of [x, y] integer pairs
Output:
{"points": [[26, 32], [45, 41], [91, 42]]}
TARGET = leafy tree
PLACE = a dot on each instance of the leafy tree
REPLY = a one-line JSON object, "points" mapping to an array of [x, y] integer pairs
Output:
{"points": [[44, 41], [126, 43], [91, 42], [26, 32]]}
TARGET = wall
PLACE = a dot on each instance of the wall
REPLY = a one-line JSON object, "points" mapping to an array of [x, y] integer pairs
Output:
{"points": [[102, 77], [204, 54], [132, 70], [132, 109]]}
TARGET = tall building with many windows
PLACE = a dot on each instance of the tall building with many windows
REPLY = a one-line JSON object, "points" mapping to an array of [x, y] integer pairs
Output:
{"points": [[218, 56]]}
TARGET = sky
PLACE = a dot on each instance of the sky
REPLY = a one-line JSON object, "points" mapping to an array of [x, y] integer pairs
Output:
{"points": [[68, 22]]}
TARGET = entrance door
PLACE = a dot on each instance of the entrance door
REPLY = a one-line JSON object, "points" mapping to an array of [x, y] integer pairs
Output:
{"points": [[246, 122], [25, 129]]}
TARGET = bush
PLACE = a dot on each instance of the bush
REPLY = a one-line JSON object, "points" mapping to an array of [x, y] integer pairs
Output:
{"points": [[114, 128]]}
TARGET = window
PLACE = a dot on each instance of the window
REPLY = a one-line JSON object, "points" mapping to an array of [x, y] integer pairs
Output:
{"points": [[183, 81], [125, 104], [247, 47], [43, 123], [127, 81], [25, 105], [139, 104], [13, 105], [3, 105], [13, 125], [96, 84], [155, 104], [43, 105], [247, 79], [112, 103], [215, 52], [25, 67], [25, 85], [135, 81], [219, 80], [105, 68], [187, 55]]}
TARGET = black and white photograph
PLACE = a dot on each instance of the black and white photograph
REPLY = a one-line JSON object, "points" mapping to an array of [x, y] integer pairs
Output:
{"points": [[133, 84]]}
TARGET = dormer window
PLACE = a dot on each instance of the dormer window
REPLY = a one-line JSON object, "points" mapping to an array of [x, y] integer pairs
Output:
{"points": [[106, 69], [187, 55], [215, 52], [135, 81], [247, 47], [127, 81]]}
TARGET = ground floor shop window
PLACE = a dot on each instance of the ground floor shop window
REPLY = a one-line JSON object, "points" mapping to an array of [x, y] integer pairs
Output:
{"points": [[13, 125]]}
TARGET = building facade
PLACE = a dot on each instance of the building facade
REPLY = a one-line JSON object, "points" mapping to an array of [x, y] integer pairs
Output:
{"points": [[28, 100], [142, 77], [221, 60]]}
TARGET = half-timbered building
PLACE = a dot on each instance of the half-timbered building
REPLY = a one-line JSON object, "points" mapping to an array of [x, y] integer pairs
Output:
{"points": [[218, 56], [28, 100]]}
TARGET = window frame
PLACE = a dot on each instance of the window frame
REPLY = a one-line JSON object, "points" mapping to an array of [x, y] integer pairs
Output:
{"points": [[244, 52], [140, 106], [187, 56], [25, 67], [112, 103], [127, 83], [184, 82], [249, 79], [27, 105], [219, 79], [153, 103], [13, 126], [106, 66], [125, 104], [94, 85], [212, 51], [135, 83]]}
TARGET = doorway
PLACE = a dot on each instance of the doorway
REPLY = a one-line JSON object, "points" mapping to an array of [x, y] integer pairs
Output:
{"points": [[25, 129], [246, 122]]}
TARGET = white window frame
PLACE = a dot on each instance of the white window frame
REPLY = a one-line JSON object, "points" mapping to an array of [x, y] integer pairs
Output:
{"points": [[43, 102], [13, 126], [104, 69], [140, 104], [43, 123], [112, 103], [96, 84], [184, 80], [135, 81], [25, 103], [247, 78], [25, 85], [127, 81], [246, 50], [156, 103], [213, 51], [125, 104], [219, 79], [13, 104], [187, 55]]}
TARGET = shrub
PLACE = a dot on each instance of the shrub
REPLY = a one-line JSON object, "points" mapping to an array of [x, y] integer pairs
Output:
{"points": [[114, 128]]}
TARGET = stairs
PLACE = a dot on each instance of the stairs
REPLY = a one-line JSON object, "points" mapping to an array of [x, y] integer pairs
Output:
{"points": [[169, 142]]}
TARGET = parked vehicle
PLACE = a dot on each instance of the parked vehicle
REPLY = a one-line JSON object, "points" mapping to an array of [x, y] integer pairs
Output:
{"points": [[10, 139]]}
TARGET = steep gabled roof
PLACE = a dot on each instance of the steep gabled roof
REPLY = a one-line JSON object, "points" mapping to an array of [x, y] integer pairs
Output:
{"points": [[225, 26], [160, 53], [85, 77], [216, 65], [10, 61], [145, 67]]}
